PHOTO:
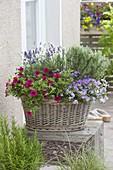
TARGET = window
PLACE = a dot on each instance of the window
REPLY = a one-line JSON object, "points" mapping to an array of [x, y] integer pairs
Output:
{"points": [[33, 23]]}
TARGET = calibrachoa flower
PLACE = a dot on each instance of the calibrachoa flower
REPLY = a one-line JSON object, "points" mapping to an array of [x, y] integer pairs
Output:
{"points": [[46, 70], [15, 80], [33, 93], [57, 98], [37, 72], [28, 113], [20, 69], [56, 75]]}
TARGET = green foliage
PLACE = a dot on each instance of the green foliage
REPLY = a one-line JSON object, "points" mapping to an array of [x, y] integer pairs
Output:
{"points": [[84, 60], [17, 151], [107, 38], [86, 160]]}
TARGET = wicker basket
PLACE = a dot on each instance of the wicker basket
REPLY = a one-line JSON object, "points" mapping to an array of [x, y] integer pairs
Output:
{"points": [[58, 116]]}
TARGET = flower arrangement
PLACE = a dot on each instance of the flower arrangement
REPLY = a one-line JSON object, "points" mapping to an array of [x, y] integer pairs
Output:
{"points": [[47, 75], [92, 15]]}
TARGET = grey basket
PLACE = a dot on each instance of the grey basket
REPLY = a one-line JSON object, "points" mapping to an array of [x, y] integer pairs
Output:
{"points": [[58, 116]]}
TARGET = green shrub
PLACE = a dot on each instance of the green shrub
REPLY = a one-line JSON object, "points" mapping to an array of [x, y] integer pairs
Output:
{"points": [[17, 151], [86, 160], [86, 61]]}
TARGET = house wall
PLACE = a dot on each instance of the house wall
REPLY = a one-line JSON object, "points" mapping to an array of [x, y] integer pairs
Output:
{"points": [[10, 46], [52, 11], [70, 22]]}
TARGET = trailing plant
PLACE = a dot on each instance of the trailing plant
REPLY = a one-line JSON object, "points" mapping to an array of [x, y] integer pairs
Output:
{"points": [[17, 150], [84, 160], [86, 61]]}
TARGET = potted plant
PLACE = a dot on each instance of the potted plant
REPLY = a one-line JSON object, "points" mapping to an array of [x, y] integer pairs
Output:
{"points": [[57, 87]]}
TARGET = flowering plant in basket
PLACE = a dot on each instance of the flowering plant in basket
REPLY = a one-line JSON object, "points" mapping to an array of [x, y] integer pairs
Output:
{"points": [[46, 76]]}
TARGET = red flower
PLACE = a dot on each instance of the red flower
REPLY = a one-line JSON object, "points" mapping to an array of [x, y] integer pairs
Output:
{"points": [[20, 69], [7, 84], [20, 75], [97, 13], [44, 78], [44, 92], [33, 93], [57, 98], [50, 82], [15, 80], [29, 81], [28, 113], [56, 75], [46, 70], [37, 72], [46, 96]]}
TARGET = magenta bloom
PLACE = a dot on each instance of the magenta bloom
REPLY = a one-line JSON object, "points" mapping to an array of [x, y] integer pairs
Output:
{"points": [[20, 75], [46, 96], [44, 92], [44, 78], [28, 113], [50, 82], [20, 69], [33, 93], [56, 75], [29, 81], [57, 98], [37, 72], [15, 80], [46, 70]]}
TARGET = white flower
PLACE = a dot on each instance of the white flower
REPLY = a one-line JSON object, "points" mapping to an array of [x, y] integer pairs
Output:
{"points": [[75, 102]]}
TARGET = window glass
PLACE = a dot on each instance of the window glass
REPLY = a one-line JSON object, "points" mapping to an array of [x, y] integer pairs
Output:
{"points": [[31, 30]]}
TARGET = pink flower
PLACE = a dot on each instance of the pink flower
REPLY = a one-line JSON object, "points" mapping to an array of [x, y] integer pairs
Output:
{"points": [[28, 113], [46, 96], [15, 80], [20, 75], [7, 84], [29, 81], [56, 75], [44, 78], [27, 85], [20, 69], [46, 70], [33, 93], [44, 92], [57, 98], [37, 72], [50, 82]]}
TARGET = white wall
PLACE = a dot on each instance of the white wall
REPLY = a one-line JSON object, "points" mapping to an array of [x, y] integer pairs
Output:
{"points": [[70, 22], [10, 46], [52, 8]]}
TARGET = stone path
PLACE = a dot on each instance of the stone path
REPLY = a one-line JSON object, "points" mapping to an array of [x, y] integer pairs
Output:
{"points": [[108, 133], [108, 130]]}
